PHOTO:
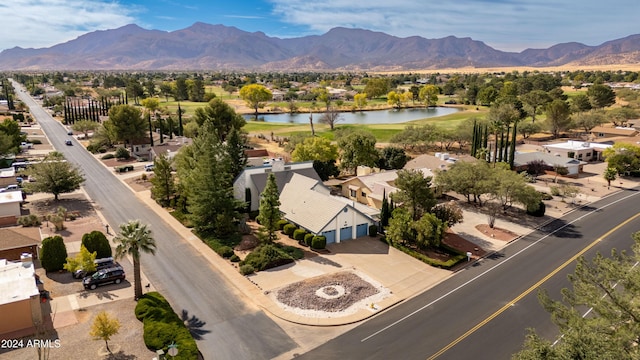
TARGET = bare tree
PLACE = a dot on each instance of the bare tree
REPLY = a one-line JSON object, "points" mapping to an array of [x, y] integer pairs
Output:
{"points": [[331, 117]]}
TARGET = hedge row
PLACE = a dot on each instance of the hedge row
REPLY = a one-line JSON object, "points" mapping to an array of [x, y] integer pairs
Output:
{"points": [[433, 262], [162, 326]]}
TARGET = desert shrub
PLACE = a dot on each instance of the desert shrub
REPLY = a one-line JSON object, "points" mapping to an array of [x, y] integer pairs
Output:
{"points": [[545, 195], [299, 234], [144, 177], [319, 242], [35, 141], [98, 242], [281, 223], [234, 258], [373, 230], [295, 252], [29, 220], [107, 156], [539, 212], [308, 238], [162, 326], [122, 153], [225, 251], [555, 190], [53, 255], [289, 229], [266, 257], [247, 269]]}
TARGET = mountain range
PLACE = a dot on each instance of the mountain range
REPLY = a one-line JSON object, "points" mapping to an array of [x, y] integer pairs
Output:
{"points": [[218, 47]]}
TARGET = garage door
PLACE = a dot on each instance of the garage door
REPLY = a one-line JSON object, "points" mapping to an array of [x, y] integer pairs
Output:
{"points": [[330, 235], [345, 233], [362, 230]]}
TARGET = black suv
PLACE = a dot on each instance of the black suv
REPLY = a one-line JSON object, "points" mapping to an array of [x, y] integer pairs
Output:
{"points": [[110, 275], [100, 264]]}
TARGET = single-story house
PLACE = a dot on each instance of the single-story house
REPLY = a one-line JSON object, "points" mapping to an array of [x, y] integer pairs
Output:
{"points": [[250, 183], [370, 189], [169, 148], [605, 132], [15, 241], [580, 150], [308, 204], [7, 176], [20, 308], [574, 166], [10, 207]]}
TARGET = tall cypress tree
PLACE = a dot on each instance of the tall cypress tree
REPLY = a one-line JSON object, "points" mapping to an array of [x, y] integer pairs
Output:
{"points": [[269, 208], [180, 129], [385, 211], [235, 146]]}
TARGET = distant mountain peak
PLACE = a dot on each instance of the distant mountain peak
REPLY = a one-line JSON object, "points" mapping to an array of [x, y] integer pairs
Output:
{"points": [[203, 46]]}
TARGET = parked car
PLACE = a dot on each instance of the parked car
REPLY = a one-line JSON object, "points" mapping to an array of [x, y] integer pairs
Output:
{"points": [[69, 132], [106, 276], [148, 167], [103, 263], [68, 143]]}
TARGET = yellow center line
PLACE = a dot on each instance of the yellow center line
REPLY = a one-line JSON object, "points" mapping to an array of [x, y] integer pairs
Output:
{"points": [[529, 290]]}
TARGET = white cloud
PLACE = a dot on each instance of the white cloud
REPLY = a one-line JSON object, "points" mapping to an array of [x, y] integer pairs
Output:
{"points": [[504, 24], [43, 23]]}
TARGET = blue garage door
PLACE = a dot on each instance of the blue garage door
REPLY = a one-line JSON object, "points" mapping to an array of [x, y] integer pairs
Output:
{"points": [[345, 233], [330, 235], [362, 230]]}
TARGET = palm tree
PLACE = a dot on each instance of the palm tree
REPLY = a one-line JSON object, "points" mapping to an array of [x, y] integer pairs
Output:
{"points": [[134, 239]]}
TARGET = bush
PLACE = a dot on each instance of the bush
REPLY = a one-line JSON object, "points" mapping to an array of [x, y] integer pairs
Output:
{"points": [[247, 269], [35, 141], [266, 257], [545, 195], [319, 242], [281, 224], [289, 229], [299, 234], [122, 153], [53, 255], [162, 326], [539, 212], [107, 156], [308, 238], [225, 251], [373, 230], [234, 258], [295, 252], [95, 148], [98, 242], [555, 190], [29, 220]]}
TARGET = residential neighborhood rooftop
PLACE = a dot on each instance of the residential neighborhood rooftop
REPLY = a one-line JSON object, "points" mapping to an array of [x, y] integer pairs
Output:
{"points": [[17, 281]]}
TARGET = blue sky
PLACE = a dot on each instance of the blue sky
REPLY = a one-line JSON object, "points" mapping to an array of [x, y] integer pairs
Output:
{"points": [[509, 25]]}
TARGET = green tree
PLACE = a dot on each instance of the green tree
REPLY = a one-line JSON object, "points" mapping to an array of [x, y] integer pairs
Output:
{"points": [[392, 157], [450, 213], [221, 116], [536, 99], [104, 327], [588, 120], [580, 103], [54, 175], [429, 95], [376, 87], [601, 96], [467, 179], [385, 211], [129, 124], [610, 175], [269, 211], [10, 137], [357, 148], [255, 96], [315, 148], [97, 242], [429, 231], [394, 99], [607, 286], [163, 186], [326, 169], [196, 89], [84, 126], [209, 186], [235, 145], [105, 136], [135, 239], [414, 192], [166, 90], [558, 119], [487, 95], [400, 230], [53, 254], [181, 90], [623, 157], [83, 260]]}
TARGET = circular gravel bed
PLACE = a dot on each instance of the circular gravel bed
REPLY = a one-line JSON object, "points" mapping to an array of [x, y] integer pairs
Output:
{"points": [[334, 294]]}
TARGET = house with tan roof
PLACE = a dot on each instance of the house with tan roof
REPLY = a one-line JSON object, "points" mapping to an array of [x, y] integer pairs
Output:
{"points": [[370, 189], [308, 204], [15, 241], [607, 132]]}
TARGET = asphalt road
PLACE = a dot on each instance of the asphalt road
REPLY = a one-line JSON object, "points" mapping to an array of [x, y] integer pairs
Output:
{"points": [[483, 312], [232, 329]]}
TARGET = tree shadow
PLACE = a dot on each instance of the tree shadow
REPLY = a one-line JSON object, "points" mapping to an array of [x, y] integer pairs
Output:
{"points": [[194, 324], [325, 261], [120, 355]]}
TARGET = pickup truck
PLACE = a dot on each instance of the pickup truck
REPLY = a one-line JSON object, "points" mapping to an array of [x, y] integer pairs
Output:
{"points": [[26, 145]]}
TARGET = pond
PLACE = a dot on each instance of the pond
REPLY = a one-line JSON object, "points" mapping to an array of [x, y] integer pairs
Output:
{"points": [[361, 117]]}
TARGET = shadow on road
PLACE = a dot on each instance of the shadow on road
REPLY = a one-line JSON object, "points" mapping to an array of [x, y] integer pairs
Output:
{"points": [[194, 324]]}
